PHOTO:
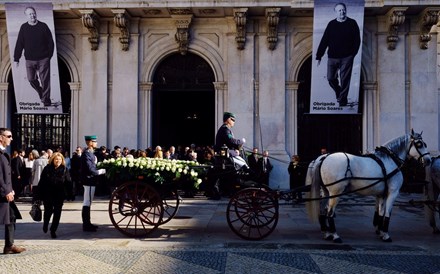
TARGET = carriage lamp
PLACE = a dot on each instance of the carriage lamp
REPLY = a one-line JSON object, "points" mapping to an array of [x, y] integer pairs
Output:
{"points": [[224, 151]]}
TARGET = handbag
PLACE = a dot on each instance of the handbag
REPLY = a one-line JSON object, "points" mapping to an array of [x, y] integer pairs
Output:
{"points": [[35, 212]]}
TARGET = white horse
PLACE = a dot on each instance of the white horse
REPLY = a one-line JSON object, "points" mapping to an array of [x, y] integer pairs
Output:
{"points": [[432, 191], [375, 174]]}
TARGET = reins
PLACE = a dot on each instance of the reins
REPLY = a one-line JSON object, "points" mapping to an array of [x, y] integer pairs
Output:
{"points": [[384, 178]]}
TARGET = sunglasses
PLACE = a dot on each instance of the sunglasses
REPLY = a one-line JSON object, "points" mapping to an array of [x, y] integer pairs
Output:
{"points": [[8, 136], [233, 120]]}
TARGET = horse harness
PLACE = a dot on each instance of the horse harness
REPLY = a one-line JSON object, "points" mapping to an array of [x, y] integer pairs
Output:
{"points": [[382, 149]]}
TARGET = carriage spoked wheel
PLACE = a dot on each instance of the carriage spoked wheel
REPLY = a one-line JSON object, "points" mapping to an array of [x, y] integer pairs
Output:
{"points": [[171, 201], [136, 209], [252, 213]]}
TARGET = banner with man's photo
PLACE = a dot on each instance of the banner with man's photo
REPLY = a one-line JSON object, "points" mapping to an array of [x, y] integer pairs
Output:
{"points": [[32, 47], [337, 53]]}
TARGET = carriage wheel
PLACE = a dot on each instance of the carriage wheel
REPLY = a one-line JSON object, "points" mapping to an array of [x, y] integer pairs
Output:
{"points": [[171, 202], [252, 213], [136, 209]]}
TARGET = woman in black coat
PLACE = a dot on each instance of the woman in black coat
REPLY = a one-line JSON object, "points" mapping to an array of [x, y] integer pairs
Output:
{"points": [[54, 183]]}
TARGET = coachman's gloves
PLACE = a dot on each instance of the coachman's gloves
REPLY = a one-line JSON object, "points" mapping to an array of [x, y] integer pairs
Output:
{"points": [[101, 171], [243, 140]]}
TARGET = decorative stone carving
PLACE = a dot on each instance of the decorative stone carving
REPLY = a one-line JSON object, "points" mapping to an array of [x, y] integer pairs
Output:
{"points": [[152, 12], [90, 20], [396, 17], [122, 21], [240, 22], [182, 35], [430, 17], [184, 11], [273, 18]]}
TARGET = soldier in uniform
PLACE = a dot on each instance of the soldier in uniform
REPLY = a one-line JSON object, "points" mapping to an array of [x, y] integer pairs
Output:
{"points": [[89, 178]]}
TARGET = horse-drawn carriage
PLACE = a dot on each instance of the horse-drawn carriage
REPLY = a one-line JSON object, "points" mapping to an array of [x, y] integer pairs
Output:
{"points": [[148, 193]]}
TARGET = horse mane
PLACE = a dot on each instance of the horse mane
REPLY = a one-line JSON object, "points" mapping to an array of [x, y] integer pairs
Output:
{"points": [[398, 144]]}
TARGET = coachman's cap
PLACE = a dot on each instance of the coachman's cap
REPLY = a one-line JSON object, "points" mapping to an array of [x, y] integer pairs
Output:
{"points": [[90, 138], [228, 115]]}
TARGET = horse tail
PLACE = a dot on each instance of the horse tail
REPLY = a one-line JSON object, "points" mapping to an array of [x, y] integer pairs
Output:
{"points": [[314, 179]]}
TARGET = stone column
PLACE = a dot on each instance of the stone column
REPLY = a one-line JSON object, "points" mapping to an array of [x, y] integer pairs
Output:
{"points": [[292, 117], [369, 119], [241, 75], [391, 78], [144, 121], [4, 109], [221, 99], [272, 108], [93, 100], [123, 98], [75, 139]]}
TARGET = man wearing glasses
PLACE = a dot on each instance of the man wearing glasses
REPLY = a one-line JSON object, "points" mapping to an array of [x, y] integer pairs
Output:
{"points": [[8, 210], [225, 137]]}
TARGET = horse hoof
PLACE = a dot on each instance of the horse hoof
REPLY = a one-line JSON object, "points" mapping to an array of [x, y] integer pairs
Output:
{"points": [[337, 241], [328, 236], [387, 240], [377, 232]]}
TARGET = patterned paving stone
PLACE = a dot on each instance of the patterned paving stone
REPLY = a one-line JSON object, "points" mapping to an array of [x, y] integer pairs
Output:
{"points": [[223, 260], [201, 242]]}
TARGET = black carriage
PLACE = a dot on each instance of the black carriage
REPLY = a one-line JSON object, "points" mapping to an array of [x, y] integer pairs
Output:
{"points": [[141, 202]]}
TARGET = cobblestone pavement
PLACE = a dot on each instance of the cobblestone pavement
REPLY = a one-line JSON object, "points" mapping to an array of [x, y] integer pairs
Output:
{"points": [[198, 240]]}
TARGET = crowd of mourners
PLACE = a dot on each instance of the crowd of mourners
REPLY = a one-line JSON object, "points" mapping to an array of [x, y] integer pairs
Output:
{"points": [[28, 165]]}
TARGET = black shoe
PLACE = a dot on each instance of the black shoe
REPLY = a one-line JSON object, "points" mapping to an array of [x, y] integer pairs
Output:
{"points": [[45, 228], [53, 235]]}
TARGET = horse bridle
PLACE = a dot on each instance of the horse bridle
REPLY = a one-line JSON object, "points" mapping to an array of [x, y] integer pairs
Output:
{"points": [[418, 144]]}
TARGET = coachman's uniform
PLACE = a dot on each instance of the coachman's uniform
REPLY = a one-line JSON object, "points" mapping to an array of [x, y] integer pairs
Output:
{"points": [[226, 137]]}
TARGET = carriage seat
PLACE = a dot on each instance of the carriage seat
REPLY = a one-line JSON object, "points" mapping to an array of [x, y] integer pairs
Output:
{"points": [[224, 163]]}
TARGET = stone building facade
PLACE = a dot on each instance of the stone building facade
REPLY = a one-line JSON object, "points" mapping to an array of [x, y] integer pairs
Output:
{"points": [[255, 50]]}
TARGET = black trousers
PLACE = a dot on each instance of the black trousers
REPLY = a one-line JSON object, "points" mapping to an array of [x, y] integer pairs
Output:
{"points": [[55, 208], [10, 229]]}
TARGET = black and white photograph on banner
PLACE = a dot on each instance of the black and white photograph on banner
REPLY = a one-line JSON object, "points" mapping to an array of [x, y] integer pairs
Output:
{"points": [[32, 47], [337, 52]]}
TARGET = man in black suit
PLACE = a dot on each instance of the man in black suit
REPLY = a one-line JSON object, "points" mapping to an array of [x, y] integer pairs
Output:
{"points": [[17, 169], [253, 160], [8, 210], [265, 167]]}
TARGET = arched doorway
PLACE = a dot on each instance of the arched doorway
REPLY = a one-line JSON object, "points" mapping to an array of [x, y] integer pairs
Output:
{"points": [[42, 131], [183, 102], [335, 132]]}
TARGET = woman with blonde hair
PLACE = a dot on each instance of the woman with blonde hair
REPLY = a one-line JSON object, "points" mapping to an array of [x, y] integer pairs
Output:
{"points": [[158, 152], [54, 183]]}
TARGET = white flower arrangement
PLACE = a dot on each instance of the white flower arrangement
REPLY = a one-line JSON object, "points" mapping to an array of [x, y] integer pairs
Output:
{"points": [[153, 169]]}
